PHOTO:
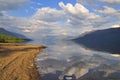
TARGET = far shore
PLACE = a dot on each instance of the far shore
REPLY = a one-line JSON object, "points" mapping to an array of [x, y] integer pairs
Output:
{"points": [[17, 61]]}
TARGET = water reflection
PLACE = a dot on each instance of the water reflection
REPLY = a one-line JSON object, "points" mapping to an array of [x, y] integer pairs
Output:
{"points": [[67, 58]]}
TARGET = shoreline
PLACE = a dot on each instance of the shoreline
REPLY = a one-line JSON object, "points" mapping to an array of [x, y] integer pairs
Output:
{"points": [[17, 61]]}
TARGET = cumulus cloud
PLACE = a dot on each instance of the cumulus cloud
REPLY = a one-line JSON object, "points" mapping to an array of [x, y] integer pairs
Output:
{"points": [[49, 15], [70, 20], [78, 8], [79, 17]]}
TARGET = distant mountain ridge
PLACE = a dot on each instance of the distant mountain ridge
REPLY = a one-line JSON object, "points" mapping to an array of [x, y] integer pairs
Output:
{"points": [[107, 40], [3, 31]]}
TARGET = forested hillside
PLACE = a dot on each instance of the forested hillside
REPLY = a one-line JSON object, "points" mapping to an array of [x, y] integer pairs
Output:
{"points": [[10, 39]]}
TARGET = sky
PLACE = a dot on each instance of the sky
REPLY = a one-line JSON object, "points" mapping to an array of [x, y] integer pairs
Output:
{"points": [[58, 17]]}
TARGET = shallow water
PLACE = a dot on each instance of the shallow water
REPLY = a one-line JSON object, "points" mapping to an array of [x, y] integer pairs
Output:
{"points": [[64, 57]]}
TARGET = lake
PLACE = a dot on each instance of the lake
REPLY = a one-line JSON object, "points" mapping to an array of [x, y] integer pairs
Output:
{"points": [[65, 58]]}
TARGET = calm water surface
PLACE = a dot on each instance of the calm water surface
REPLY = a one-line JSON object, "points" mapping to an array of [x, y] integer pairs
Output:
{"points": [[63, 57]]}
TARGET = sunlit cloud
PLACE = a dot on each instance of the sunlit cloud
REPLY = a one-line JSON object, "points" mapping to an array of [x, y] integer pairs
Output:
{"points": [[116, 26], [26, 31]]}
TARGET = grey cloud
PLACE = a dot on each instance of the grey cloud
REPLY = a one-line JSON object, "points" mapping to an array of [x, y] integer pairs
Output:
{"points": [[11, 4], [12, 23], [15, 24], [49, 15], [97, 4], [110, 14], [112, 1], [1, 14], [107, 10]]}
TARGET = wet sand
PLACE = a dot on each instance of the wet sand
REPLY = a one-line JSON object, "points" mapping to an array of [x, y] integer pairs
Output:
{"points": [[17, 62]]}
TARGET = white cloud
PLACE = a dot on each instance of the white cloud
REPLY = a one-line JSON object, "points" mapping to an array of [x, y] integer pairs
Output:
{"points": [[71, 20], [49, 15], [78, 15], [78, 8]]}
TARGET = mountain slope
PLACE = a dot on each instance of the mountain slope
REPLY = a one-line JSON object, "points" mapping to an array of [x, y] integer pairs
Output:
{"points": [[107, 40], [10, 37], [3, 31]]}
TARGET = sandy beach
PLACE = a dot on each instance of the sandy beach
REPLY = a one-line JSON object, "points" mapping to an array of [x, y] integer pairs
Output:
{"points": [[17, 62]]}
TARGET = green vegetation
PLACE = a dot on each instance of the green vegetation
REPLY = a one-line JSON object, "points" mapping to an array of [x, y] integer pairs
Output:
{"points": [[10, 39]]}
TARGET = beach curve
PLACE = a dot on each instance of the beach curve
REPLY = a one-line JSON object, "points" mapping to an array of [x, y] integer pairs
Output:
{"points": [[17, 62]]}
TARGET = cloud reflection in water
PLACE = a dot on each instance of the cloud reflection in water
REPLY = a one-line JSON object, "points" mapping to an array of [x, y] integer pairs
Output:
{"points": [[69, 58]]}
